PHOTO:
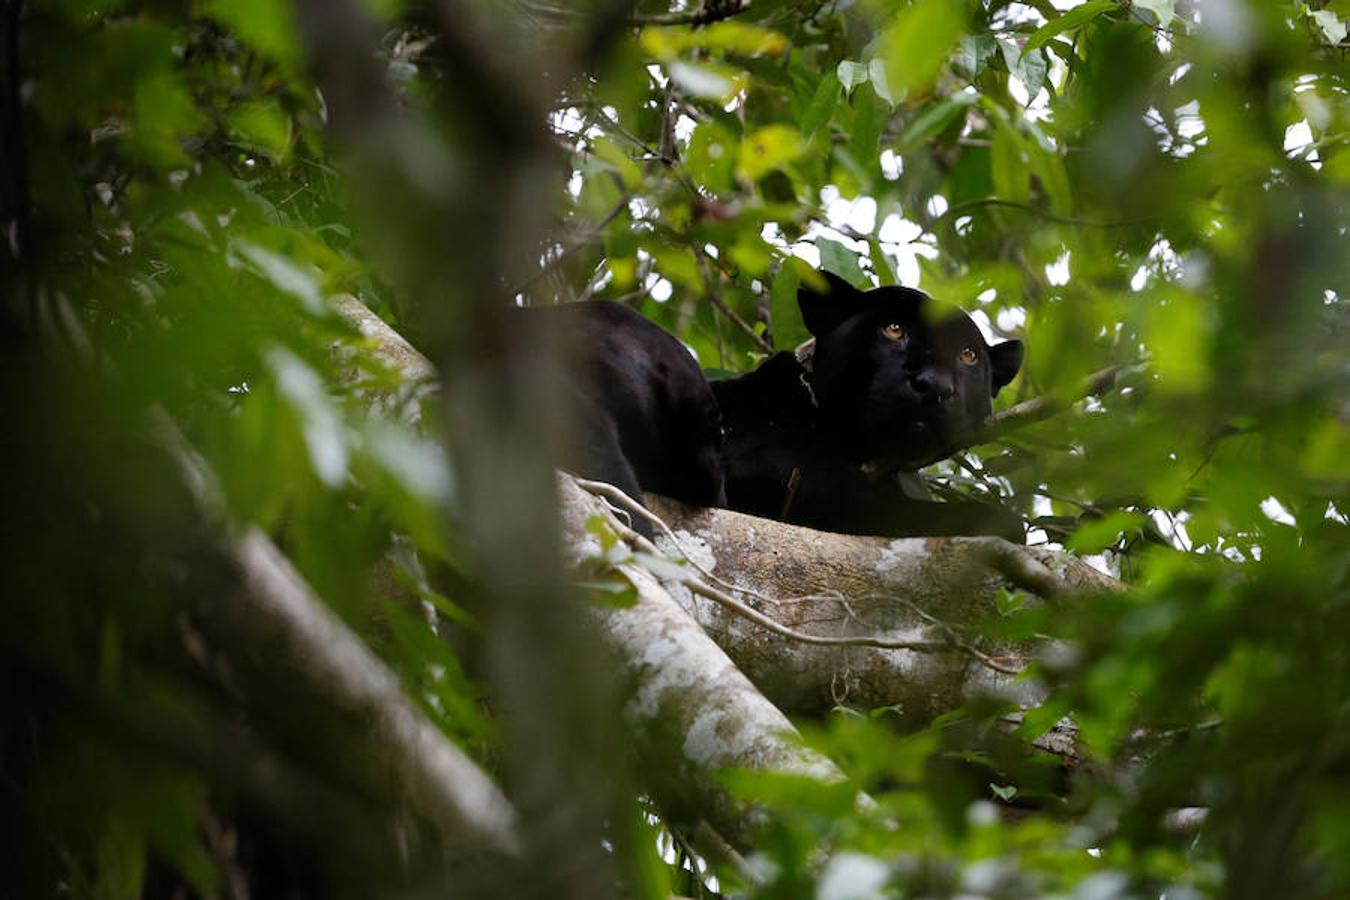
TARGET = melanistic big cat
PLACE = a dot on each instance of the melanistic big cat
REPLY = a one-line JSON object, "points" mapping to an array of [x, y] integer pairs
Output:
{"points": [[645, 417], [894, 382], [831, 438]]}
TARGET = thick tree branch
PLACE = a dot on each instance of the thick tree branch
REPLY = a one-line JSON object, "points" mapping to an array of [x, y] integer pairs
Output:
{"points": [[273, 621], [885, 590], [276, 610], [693, 711], [706, 586]]}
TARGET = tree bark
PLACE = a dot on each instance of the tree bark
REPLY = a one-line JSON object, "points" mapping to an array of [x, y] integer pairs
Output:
{"points": [[904, 589], [693, 712], [277, 615]]}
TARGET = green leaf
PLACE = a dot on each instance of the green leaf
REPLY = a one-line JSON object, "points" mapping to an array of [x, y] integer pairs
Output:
{"points": [[836, 258], [612, 592], [1096, 535], [1163, 10], [664, 568], [601, 190], [1030, 67], [599, 526], [934, 120], [417, 464], [751, 254], [1048, 167], [822, 106], [870, 115], [263, 126], [970, 178], [769, 148], [788, 330], [880, 712], [162, 115], [1040, 719], [851, 74], [325, 436], [876, 75], [630, 173], [1007, 602], [976, 51], [881, 264], [728, 36], [919, 42], [1012, 177], [678, 264], [1070, 20], [267, 25], [1003, 792], [121, 856], [284, 275], [710, 158], [385, 10], [1178, 336], [733, 36]]}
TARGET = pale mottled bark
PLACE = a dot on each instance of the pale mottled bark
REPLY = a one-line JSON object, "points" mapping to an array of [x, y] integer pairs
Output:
{"points": [[273, 625], [693, 712], [279, 613], [389, 351], [845, 585]]}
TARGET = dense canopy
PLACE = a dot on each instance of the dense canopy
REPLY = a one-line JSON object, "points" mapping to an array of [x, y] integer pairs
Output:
{"points": [[1156, 187]]}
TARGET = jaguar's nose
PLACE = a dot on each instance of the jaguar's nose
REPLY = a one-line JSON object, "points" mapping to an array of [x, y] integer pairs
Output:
{"points": [[933, 384]]}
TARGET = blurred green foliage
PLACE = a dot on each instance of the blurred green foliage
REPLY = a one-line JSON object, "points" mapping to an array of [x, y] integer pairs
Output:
{"points": [[1161, 185]]}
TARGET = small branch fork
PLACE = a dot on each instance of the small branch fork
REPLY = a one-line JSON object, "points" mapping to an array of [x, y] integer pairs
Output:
{"points": [[719, 591]]}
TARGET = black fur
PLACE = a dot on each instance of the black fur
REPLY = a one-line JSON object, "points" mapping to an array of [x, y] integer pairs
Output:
{"points": [[646, 419], [833, 443]]}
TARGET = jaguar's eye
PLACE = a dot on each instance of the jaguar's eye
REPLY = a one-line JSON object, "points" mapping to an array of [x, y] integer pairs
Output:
{"points": [[893, 332], [967, 356]]}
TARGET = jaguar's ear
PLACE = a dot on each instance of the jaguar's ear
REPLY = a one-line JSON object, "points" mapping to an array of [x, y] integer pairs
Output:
{"points": [[822, 312], [1004, 361]]}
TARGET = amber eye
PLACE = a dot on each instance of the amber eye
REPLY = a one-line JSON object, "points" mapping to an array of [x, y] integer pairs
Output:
{"points": [[893, 332], [967, 356]]}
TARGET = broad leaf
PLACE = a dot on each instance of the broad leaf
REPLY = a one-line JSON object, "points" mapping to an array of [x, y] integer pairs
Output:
{"points": [[1066, 22]]}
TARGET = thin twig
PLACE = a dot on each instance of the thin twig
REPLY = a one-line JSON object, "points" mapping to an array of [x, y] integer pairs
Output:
{"points": [[715, 295], [1020, 567], [1037, 211], [1038, 408], [628, 505], [582, 238]]}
